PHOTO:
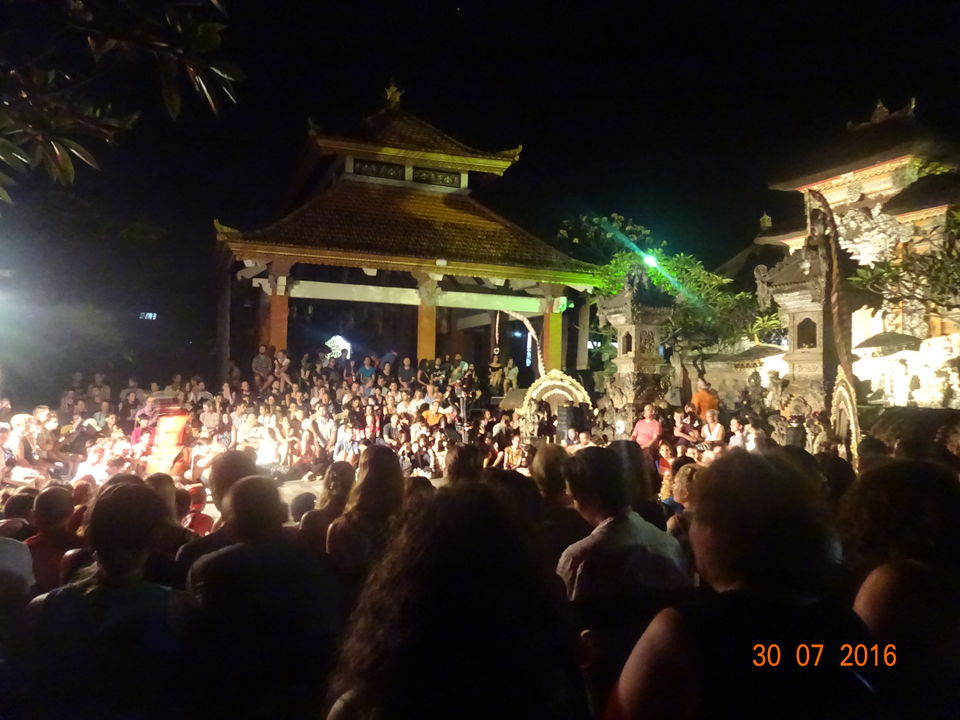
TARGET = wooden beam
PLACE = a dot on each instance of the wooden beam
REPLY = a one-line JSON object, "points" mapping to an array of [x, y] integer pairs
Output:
{"points": [[315, 290], [588, 277]]}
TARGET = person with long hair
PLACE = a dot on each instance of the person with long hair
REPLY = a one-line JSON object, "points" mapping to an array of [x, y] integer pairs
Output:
{"points": [[762, 542], [358, 538], [899, 525], [459, 598], [336, 486]]}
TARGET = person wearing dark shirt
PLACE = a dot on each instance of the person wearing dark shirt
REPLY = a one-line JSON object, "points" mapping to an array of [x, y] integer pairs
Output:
{"points": [[225, 471], [111, 644], [271, 609]]}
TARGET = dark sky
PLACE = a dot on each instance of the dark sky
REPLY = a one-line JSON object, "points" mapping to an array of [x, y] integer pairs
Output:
{"points": [[676, 114]]}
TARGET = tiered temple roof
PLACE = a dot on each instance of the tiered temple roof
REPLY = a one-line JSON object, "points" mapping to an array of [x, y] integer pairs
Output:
{"points": [[396, 197]]}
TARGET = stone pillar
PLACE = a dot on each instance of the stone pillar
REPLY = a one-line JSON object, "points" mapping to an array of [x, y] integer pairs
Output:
{"points": [[426, 331], [552, 339], [583, 335]]}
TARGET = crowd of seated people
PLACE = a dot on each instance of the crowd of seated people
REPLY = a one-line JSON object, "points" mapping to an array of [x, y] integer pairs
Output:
{"points": [[555, 580]]}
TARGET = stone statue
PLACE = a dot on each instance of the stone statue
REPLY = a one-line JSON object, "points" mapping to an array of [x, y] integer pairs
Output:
{"points": [[761, 273], [755, 390], [774, 390]]}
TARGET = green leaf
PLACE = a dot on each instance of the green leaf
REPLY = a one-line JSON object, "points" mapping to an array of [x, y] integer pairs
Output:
{"points": [[13, 156], [227, 70], [168, 86], [207, 38], [81, 152], [200, 84], [63, 162]]}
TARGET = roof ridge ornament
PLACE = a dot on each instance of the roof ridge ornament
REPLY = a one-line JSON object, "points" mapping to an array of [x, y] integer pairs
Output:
{"points": [[766, 222], [393, 95], [881, 114]]}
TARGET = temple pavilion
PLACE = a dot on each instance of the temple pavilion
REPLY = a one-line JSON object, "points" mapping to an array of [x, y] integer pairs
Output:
{"points": [[387, 218]]}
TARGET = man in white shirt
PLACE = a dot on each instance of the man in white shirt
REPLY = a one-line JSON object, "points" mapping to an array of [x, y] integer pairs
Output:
{"points": [[326, 427], [625, 555]]}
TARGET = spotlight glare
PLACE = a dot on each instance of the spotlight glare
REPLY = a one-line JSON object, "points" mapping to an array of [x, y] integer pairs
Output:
{"points": [[649, 261]]}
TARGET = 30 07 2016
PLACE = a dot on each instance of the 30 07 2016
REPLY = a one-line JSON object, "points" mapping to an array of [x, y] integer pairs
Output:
{"points": [[811, 655]]}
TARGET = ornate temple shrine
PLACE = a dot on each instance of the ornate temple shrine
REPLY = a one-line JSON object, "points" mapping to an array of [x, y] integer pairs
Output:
{"points": [[388, 218], [891, 185]]}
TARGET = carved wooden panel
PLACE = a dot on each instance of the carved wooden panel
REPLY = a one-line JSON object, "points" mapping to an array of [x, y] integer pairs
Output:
{"points": [[372, 168], [436, 177]]}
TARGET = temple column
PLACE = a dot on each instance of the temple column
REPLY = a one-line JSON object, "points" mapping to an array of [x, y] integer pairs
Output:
{"points": [[279, 314], [275, 308], [426, 331], [552, 339], [583, 335], [427, 318]]}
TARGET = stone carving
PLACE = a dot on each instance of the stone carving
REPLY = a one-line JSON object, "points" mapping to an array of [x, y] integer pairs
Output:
{"points": [[428, 290], [774, 390], [761, 274], [871, 236], [555, 388], [647, 342]]}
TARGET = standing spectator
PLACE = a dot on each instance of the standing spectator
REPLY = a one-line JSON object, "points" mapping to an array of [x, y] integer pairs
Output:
{"points": [[648, 431], [705, 398], [624, 553]]}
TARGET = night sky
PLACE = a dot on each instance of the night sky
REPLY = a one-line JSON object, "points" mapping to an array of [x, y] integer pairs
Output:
{"points": [[675, 114]]}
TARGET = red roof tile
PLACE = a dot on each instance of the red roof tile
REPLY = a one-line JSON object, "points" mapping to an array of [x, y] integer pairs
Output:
{"points": [[392, 220]]}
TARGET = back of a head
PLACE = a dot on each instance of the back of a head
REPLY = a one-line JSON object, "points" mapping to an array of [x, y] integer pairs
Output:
{"points": [[254, 509], [463, 464], [838, 475], [637, 471], [18, 505], [53, 507], [378, 493], [767, 525], [163, 485], [913, 449], [301, 504], [226, 470], [124, 523], [595, 478], [547, 470], [458, 574], [338, 481], [902, 510], [871, 450], [518, 492]]}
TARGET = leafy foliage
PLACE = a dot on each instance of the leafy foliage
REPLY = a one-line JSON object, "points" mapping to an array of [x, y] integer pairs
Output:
{"points": [[707, 315], [59, 65], [600, 239], [930, 276]]}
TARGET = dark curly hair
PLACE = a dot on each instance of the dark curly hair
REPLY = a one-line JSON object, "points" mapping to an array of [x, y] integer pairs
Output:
{"points": [[901, 510], [458, 621]]}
